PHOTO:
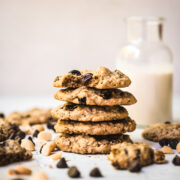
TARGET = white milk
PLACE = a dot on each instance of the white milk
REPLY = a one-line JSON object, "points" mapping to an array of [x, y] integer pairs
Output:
{"points": [[152, 86]]}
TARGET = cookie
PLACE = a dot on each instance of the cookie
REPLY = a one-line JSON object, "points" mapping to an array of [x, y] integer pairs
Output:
{"points": [[102, 78], [32, 116], [96, 128], [10, 131], [122, 155], [11, 151], [89, 144], [69, 111], [160, 131], [92, 96]]}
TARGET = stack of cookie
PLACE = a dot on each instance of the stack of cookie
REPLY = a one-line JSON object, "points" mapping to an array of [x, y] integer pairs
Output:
{"points": [[92, 119]]}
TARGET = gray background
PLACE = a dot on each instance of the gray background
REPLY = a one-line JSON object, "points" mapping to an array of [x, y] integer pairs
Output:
{"points": [[40, 39]]}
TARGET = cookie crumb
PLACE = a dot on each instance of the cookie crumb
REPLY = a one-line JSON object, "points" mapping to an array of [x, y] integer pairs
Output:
{"points": [[57, 156], [23, 170], [40, 176], [38, 127], [27, 144], [176, 160], [95, 173], [50, 166], [178, 147], [159, 157], [167, 150], [62, 163], [12, 172], [73, 172], [45, 135], [48, 148]]}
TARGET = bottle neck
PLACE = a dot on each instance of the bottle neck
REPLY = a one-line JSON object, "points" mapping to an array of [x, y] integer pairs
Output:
{"points": [[144, 30]]}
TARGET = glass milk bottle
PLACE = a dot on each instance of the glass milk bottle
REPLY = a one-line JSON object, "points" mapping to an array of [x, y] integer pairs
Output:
{"points": [[148, 62]]}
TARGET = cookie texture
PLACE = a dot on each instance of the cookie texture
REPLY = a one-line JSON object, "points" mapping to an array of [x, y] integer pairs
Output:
{"points": [[160, 131], [96, 128], [124, 154], [102, 78], [92, 96], [89, 144], [11, 151], [9, 131], [69, 111], [32, 116]]}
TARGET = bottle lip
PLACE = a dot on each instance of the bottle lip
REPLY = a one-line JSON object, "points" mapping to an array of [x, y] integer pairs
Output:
{"points": [[146, 19]]}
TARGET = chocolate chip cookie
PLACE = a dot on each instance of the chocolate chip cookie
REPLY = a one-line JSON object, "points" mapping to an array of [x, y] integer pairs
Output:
{"points": [[11, 151], [32, 116], [69, 111], [122, 155], [160, 131], [102, 78], [92, 96], [89, 144], [10, 131], [96, 128]]}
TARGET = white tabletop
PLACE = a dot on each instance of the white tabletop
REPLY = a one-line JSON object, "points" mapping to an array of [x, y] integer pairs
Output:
{"points": [[86, 162]]}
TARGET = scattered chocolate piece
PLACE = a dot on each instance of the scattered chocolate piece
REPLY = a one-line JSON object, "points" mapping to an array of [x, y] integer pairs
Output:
{"points": [[106, 94], [176, 160], [75, 72], [173, 143], [2, 115], [30, 138], [73, 172], [50, 126], [36, 132], [164, 142], [87, 77], [134, 166], [62, 163], [82, 100], [167, 122], [95, 173], [41, 148]]}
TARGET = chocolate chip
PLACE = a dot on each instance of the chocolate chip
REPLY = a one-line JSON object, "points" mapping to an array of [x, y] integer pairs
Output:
{"points": [[50, 126], [14, 127], [82, 100], [12, 136], [167, 122], [95, 173], [2, 115], [125, 151], [41, 148], [134, 166], [73, 172], [173, 143], [30, 138], [36, 132], [70, 107], [164, 142], [106, 94], [62, 163], [176, 160], [86, 78], [75, 72]]}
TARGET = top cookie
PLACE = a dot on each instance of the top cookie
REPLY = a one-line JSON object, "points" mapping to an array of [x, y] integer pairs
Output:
{"points": [[32, 116], [92, 96], [159, 131], [102, 78]]}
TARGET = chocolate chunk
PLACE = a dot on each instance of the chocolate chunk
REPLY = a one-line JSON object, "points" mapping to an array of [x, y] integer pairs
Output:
{"points": [[134, 166], [106, 94], [176, 160], [73, 172], [50, 126], [21, 134], [41, 148], [36, 132], [125, 151], [75, 72], [173, 143], [82, 100], [70, 107], [62, 163], [86, 78], [95, 173], [2, 115], [30, 138], [167, 122], [164, 142]]}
